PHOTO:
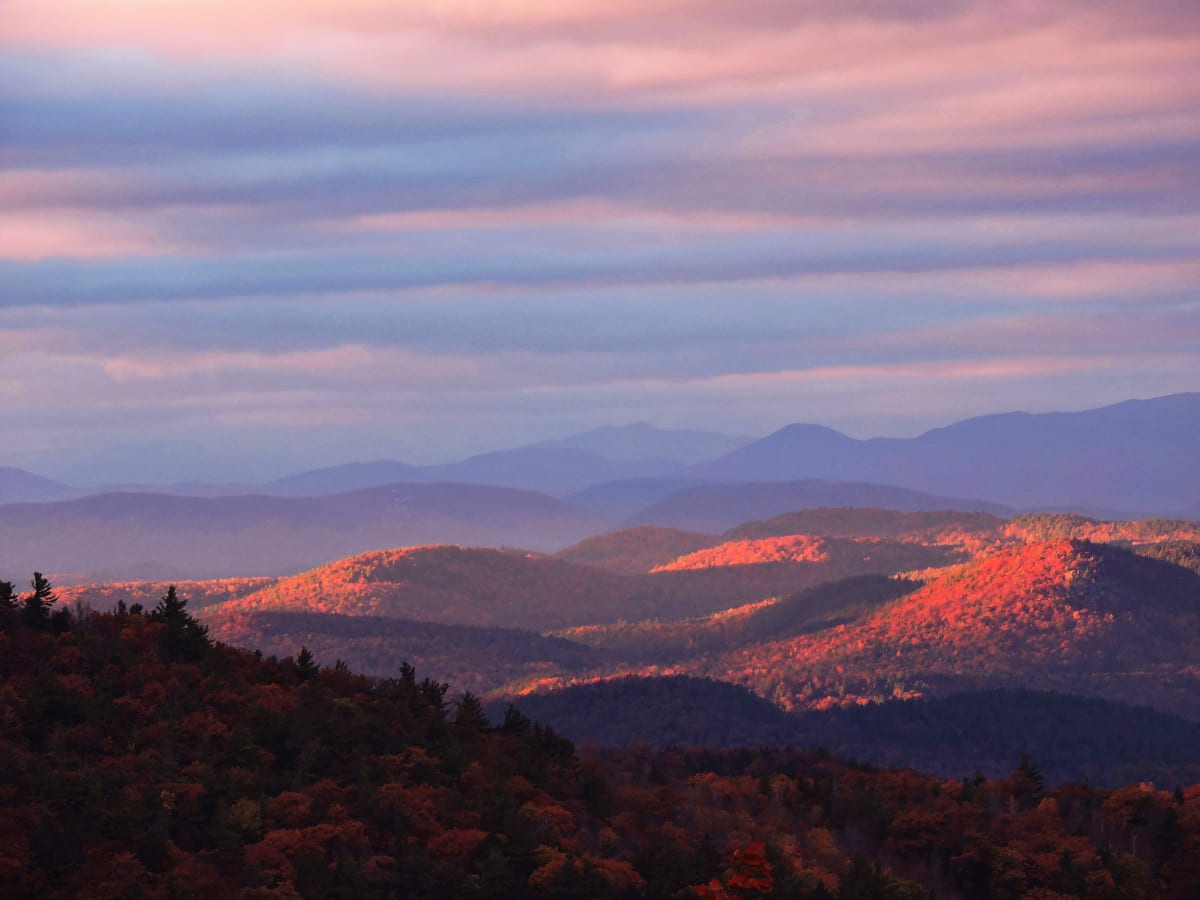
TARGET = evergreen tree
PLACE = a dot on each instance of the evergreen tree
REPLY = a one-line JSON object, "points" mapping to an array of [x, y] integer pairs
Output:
{"points": [[306, 664], [469, 717], [35, 610], [170, 607], [1030, 784], [184, 639]]}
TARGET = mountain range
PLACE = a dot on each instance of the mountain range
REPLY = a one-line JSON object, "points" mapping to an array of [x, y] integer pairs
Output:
{"points": [[1137, 455], [1134, 457]]}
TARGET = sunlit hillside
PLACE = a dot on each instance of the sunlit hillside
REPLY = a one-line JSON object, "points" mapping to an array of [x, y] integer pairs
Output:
{"points": [[1057, 614], [836, 556]]}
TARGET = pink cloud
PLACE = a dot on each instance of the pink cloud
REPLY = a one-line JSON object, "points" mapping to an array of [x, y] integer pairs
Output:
{"points": [[146, 367], [567, 213], [593, 49], [33, 235]]}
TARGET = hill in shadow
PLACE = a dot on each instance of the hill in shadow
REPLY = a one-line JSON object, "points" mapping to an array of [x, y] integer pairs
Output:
{"points": [[258, 535], [1070, 738], [636, 550], [718, 507], [469, 658]]}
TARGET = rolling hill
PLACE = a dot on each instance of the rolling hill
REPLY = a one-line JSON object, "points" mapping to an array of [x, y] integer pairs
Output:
{"points": [[469, 658], [480, 586], [824, 605], [450, 585], [837, 555], [1059, 615], [636, 550]]}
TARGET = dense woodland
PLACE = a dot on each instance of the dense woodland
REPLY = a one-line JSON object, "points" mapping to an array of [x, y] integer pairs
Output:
{"points": [[901, 639], [138, 758], [1073, 738]]}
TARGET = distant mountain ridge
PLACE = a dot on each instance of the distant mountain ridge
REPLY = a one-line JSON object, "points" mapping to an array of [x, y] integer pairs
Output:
{"points": [[259, 535], [1128, 459], [561, 466], [643, 441], [19, 486], [1138, 456]]}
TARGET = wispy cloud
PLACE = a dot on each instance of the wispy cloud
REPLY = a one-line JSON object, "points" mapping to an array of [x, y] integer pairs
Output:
{"points": [[438, 223]]}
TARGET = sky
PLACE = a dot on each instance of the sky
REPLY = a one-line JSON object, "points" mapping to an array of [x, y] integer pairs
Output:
{"points": [[242, 239]]}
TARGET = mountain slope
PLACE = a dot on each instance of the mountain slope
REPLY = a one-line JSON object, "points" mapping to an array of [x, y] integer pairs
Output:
{"points": [[470, 658], [1060, 615], [348, 477], [449, 585], [549, 470], [636, 550], [820, 606], [1135, 456], [643, 441], [620, 500], [936, 526], [717, 507], [836, 554], [20, 486]]}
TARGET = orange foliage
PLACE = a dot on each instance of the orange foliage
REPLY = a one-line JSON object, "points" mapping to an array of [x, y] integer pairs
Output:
{"points": [[1043, 613], [841, 556], [749, 875]]}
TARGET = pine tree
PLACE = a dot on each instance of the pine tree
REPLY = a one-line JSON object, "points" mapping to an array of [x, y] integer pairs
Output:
{"points": [[1030, 783], [184, 639], [306, 664], [35, 611], [469, 717]]}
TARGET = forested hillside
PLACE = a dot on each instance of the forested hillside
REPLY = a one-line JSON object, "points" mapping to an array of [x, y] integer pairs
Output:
{"points": [[139, 759], [1063, 615]]}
